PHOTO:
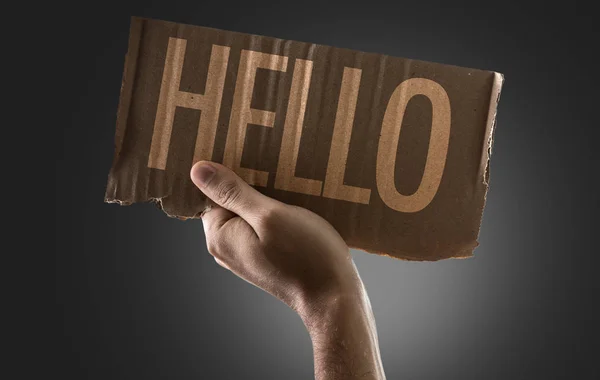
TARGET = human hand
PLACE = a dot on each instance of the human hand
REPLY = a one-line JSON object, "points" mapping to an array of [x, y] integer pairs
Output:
{"points": [[299, 258]]}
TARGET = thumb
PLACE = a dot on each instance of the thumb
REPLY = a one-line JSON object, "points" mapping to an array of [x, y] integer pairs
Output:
{"points": [[228, 190]]}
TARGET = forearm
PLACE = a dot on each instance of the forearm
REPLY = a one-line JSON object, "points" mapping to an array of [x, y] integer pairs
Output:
{"points": [[344, 337]]}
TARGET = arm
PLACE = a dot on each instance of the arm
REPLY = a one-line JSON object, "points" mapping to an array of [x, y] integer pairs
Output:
{"points": [[299, 258], [344, 338]]}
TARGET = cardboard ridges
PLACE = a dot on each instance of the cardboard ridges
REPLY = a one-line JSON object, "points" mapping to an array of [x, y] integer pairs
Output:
{"points": [[393, 152]]}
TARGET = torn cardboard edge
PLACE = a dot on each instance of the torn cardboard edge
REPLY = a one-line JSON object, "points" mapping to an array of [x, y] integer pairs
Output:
{"points": [[486, 158], [490, 127]]}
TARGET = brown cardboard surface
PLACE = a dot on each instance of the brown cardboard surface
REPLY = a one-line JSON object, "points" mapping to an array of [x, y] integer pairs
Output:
{"points": [[393, 152]]}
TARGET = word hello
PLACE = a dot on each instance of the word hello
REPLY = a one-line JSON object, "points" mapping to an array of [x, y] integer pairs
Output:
{"points": [[242, 114]]}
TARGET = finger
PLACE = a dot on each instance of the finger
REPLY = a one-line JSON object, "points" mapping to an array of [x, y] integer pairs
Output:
{"points": [[215, 218], [221, 263], [228, 190], [227, 235], [214, 221]]}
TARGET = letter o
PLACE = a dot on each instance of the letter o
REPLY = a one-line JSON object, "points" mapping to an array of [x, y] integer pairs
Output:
{"points": [[388, 145]]}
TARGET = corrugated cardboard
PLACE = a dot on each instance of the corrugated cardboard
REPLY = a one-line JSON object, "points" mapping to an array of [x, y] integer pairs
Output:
{"points": [[392, 152]]}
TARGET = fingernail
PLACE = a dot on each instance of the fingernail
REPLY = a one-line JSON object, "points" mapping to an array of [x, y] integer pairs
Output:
{"points": [[202, 174]]}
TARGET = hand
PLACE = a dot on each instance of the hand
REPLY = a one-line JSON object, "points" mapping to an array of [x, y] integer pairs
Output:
{"points": [[299, 258]]}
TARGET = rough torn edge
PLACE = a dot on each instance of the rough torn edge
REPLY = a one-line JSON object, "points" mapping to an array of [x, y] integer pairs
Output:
{"points": [[158, 202], [484, 167], [460, 251], [490, 128]]}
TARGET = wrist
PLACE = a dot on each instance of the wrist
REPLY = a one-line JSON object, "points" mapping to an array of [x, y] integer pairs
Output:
{"points": [[344, 338], [342, 289], [335, 307]]}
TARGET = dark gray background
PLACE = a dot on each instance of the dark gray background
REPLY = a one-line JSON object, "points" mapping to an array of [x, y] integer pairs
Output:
{"points": [[140, 297]]}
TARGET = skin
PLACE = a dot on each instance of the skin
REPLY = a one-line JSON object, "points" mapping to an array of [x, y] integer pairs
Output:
{"points": [[298, 257]]}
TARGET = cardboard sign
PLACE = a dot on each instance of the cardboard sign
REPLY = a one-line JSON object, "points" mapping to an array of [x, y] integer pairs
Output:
{"points": [[392, 152]]}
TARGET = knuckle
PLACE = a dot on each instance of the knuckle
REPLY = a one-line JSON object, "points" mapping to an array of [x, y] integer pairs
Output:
{"points": [[270, 217], [214, 246], [228, 192]]}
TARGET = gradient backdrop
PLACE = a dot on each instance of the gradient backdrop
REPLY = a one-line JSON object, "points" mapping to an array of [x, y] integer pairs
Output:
{"points": [[140, 298]]}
